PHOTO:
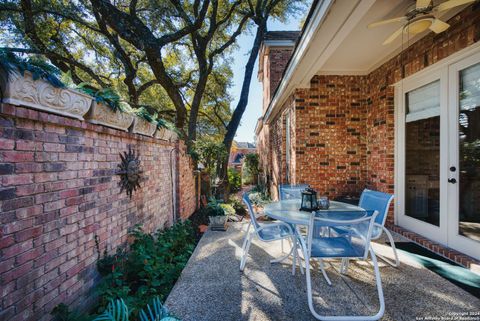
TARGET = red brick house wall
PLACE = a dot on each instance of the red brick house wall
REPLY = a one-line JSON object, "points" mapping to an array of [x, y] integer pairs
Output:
{"points": [[274, 62], [344, 125], [59, 190], [331, 144]]}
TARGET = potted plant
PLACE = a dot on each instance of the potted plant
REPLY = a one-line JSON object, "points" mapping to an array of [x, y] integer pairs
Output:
{"points": [[217, 216], [34, 83], [144, 122], [166, 130], [107, 108]]}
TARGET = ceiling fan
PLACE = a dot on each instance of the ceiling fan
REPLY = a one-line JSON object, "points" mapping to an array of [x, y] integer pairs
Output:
{"points": [[420, 18]]}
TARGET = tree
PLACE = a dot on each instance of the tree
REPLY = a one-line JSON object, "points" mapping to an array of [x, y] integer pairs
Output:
{"points": [[169, 54], [261, 11], [131, 45]]}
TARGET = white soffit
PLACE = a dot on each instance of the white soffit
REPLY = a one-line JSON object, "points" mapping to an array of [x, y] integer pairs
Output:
{"points": [[331, 22], [362, 51], [337, 42]]}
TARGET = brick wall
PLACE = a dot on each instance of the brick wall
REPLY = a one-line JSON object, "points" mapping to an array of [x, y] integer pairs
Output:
{"points": [[188, 198], [331, 140], [274, 62], [344, 125], [58, 190]]}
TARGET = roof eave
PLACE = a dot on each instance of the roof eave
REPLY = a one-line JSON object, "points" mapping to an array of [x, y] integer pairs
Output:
{"points": [[314, 18]]}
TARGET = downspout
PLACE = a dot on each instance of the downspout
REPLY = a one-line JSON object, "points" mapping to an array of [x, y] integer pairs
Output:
{"points": [[173, 183]]}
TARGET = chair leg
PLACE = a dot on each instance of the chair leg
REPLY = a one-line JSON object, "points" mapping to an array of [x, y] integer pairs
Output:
{"points": [[325, 276], [392, 244], [245, 249], [299, 250], [374, 317], [294, 263], [282, 245], [344, 266]]}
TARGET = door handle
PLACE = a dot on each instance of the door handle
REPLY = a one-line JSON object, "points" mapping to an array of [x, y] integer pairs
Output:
{"points": [[452, 180]]}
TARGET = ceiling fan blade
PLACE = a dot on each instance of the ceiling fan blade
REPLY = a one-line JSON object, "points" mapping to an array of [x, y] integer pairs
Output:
{"points": [[439, 26], [452, 4], [393, 36], [386, 21], [422, 4]]}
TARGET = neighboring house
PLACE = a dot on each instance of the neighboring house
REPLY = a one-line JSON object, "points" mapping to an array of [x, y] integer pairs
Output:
{"points": [[343, 112], [238, 152]]}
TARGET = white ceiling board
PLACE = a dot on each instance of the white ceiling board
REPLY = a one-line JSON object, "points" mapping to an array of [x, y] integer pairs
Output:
{"points": [[362, 50]]}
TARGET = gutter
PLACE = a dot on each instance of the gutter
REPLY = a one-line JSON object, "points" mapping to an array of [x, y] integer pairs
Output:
{"points": [[259, 126], [314, 19]]}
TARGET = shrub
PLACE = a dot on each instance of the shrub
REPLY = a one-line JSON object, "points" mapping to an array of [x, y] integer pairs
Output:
{"points": [[259, 198], [228, 209], [251, 169], [213, 208], [234, 180], [117, 310], [211, 154], [237, 204], [37, 66], [150, 267]]}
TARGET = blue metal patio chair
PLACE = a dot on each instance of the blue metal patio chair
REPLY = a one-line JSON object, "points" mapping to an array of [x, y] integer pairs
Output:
{"points": [[268, 232], [378, 201], [286, 191], [354, 243]]}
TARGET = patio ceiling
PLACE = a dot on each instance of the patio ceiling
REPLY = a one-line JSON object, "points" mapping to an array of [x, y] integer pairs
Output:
{"points": [[362, 50], [336, 40]]}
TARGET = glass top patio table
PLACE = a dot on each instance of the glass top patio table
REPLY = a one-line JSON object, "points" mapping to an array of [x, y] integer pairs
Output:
{"points": [[288, 211]]}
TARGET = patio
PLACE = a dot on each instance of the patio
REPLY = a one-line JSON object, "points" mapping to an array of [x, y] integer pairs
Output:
{"points": [[211, 286]]}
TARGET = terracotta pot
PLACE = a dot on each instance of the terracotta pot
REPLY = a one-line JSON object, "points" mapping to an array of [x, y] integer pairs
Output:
{"points": [[103, 115], [40, 94], [143, 127]]}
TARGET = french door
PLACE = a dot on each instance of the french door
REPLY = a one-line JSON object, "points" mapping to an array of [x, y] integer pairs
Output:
{"points": [[438, 153], [464, 152]]}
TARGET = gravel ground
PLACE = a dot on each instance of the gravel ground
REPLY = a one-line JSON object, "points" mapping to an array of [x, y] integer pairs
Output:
{"points": [[212, 288]]}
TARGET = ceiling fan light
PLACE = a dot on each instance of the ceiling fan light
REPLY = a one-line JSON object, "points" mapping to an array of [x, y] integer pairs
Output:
{"points": [[418, 26]]}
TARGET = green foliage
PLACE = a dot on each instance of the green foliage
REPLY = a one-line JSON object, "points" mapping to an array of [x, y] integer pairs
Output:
{"points": [[143, 113], [150, 267], [251, 169], [259, 196], [107, 96], [163, 123], [117, 310], [218, 208], [62, 313], [210, 153], [237, 204], [36, 65], [228, 209], [214, 207], [234, 180], [156, 312], [252, 162]]}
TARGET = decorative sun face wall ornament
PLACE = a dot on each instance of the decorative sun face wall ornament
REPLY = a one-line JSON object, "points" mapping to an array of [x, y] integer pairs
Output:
{"points": [[130, 172]]}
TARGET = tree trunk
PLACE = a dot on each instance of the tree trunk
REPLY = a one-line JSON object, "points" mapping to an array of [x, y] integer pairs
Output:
{"points": [[241, 106]]}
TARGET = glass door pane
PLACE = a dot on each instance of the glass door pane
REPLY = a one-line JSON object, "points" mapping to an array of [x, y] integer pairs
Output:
{"points": [[422, 153], [469, 152]]}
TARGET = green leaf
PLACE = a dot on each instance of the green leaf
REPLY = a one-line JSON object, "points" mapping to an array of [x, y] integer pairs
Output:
{"points": [[116, 311]]}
